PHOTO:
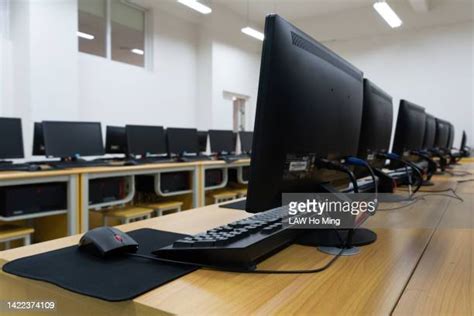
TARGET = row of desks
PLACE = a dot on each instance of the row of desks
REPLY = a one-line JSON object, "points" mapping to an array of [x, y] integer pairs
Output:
{"points": [[422, 262], [78, 184]]}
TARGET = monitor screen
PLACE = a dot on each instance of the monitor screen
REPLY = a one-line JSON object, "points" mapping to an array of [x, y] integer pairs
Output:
{"points": [[145, 140], [38, 140], [202, 138], [442, 133], [246, 141], [430, 132], [72, 139], [377, 117], [410, 129], [309, 106], [222, 141], [11, 138], [182, 140], [115, 140]]}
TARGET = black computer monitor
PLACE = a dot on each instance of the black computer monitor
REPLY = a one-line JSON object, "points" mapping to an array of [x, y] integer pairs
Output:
{"points": [[222, 141], [430, 132], [442, 133], [246, 141], [410, 129], [449, 145], [202, 139], [463, 141], [115, 140], [11, 138], [38, 140], [182, 141], [145, 140], [72, 139], [376, 128], [309, 106]]}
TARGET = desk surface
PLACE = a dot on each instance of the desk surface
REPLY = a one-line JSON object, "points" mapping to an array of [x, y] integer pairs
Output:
{"points": [[9, 175], [393, 274]]}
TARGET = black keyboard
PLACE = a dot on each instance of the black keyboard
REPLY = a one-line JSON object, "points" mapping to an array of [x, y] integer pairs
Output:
{"points": [[233, 158], [154, 160], [17, 167], [78, 164], [194, 158], [241, 244]]}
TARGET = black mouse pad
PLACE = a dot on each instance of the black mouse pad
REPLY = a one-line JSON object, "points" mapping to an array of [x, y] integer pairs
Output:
{"points": [[239, 205], [112, 279]]}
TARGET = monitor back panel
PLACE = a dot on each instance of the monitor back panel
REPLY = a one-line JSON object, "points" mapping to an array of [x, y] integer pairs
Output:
{"points": [[309, 105], [377, 117], [410, 130], [11, 138], [430, 132], [115, 140]]}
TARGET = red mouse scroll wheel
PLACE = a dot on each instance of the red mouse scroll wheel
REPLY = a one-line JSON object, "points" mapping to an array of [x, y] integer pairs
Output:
{"points": [[118, 238]]}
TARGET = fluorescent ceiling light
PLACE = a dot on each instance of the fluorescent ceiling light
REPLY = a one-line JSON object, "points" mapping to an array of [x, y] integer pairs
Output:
{"points": [[193, 4], [137, 51], [253, 32], [388, 14], [85, 35]]}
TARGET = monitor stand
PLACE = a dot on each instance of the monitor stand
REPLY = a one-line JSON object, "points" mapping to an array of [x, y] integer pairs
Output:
{"points": [[329, 240]]}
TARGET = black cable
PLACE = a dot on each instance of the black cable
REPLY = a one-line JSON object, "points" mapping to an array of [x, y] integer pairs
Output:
{"points": [[456, 196], [422, 196], [459, 173], [442, 191], [406, 163], [412, 202], [223, 269], [464, 181], [331, 165]]}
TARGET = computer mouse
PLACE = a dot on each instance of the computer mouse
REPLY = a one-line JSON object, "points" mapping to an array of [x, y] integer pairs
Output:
{"points": [[34, 168], [130, 163], [107, 241]]}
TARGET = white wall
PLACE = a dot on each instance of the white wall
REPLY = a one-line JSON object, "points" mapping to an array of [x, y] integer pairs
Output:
{"points": [[236, 71], [194, 62], [430, 67], [118, 93], [40, 63], [234, 68]]}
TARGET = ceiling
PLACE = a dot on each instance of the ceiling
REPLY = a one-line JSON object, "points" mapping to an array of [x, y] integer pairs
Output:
{"points": [[331, 13], [291, 9]]}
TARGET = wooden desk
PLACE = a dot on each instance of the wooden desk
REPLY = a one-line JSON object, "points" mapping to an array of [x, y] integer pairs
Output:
{"points": [[373, 282], [78, 179], [71, 177], [443, 280]]}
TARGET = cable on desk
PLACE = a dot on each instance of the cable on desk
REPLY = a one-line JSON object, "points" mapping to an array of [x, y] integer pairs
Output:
{"points": [[456, 196], [412, 202], [464, 181], [459, 173], [222, 269], [422, 197]]}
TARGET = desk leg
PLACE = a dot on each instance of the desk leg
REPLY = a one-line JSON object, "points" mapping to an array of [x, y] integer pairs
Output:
{"points": [[72, 208], [84, 196], [196, 187]]}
